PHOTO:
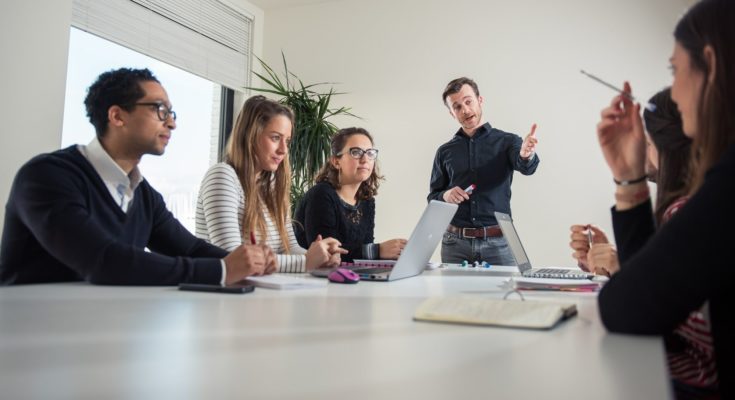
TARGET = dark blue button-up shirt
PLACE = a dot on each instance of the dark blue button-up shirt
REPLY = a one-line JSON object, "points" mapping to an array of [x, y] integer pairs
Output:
{"points": [[488, 160]]}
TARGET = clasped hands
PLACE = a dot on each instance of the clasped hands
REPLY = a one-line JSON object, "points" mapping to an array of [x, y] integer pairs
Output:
{"points": [[601, 257]]}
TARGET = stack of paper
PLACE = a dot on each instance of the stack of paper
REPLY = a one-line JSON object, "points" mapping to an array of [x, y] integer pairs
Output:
{"points": [[571, 285], [284, 281]]}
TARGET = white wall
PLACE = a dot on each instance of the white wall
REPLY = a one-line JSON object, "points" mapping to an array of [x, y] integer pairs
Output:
{"points": [[395, 57], [34, 37]]}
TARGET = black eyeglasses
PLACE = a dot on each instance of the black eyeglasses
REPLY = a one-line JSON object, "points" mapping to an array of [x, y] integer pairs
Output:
{"points": [[162, 110], [357, 153]]}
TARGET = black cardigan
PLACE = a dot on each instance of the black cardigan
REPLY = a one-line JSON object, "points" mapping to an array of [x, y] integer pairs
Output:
{"points": [[322, 212]]}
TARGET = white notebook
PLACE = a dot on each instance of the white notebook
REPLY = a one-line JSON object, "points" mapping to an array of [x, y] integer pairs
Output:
{"points": [[284, 281]]}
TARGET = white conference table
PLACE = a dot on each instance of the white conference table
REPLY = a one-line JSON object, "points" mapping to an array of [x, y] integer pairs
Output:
{"points": [[78, 341]]}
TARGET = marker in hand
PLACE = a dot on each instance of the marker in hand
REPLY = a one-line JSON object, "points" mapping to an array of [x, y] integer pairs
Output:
{"points": [[470, 188]]}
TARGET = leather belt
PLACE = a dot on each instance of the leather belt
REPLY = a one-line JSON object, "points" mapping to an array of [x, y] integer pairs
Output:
{"points": [[483, 232]]}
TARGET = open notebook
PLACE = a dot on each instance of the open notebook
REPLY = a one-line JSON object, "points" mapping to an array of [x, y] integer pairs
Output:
{"points": [[476, 310]]}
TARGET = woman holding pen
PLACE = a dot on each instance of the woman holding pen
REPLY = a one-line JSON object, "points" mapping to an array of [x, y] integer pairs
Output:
{"points": [[247, 196], [342, 202], [689, 347], [665, 276], [668, 158]]}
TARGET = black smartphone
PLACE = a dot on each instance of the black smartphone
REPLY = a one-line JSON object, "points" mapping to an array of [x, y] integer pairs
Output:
{"points": [[200, 287]]}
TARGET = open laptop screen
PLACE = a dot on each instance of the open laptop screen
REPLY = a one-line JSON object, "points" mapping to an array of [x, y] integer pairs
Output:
{"points": [[509, 231]]}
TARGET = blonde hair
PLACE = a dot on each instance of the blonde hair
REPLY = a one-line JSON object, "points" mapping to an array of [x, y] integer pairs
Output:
{"points": [[268, 188]]}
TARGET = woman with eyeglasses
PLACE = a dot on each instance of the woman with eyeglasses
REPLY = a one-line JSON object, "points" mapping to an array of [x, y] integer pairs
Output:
{"points": [[246, 198], [342, 202]]}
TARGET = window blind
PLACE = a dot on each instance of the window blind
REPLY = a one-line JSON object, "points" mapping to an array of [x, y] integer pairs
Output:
{"points": [[205, 37]]}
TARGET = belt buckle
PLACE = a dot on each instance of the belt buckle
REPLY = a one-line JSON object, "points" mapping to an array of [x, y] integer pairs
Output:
{"points": [[484, 234]]}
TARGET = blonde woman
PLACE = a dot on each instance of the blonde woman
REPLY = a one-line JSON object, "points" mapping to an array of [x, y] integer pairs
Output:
{"points": [[246, 197]]}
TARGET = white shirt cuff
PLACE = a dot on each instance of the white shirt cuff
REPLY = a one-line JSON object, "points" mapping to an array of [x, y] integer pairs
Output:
{"points": [[224, 273]]}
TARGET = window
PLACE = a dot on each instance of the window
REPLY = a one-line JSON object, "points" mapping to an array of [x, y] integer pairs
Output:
{"points": [[194, 144]]}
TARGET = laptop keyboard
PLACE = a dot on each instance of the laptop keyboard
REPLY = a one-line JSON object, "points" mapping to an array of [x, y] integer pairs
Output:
{"points": [[558, 273], [376, 270]]}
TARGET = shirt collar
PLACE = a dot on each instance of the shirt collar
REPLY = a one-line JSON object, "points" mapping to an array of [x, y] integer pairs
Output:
{"points": [[107, 168], [481, 131]]}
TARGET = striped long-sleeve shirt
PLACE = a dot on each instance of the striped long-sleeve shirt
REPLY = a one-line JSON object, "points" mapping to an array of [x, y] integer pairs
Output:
{"points": [[219, 219]]}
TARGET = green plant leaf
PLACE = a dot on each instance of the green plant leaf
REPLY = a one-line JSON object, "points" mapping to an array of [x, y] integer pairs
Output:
{"points": [[310, 144]]}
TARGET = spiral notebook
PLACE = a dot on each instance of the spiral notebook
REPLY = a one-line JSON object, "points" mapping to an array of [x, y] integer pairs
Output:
{"points": [[476, 310]]}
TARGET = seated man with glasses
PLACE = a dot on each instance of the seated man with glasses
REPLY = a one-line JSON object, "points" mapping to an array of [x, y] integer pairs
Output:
{"points": [[87, 213], [341, 204]]}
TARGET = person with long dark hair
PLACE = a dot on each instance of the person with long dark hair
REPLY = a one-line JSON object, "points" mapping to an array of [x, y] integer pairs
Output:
{"points": [[689, 347], [668, 164], [665, 276]]}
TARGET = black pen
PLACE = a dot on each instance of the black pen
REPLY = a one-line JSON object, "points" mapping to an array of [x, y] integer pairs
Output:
{"points": [[649, 106]]}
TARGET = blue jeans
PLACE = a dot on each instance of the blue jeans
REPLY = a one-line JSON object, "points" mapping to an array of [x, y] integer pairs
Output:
{"points": [[493, 250]]}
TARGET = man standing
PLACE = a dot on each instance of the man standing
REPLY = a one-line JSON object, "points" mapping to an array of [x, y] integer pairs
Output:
{"points": [[485, 157], [86, 213]]}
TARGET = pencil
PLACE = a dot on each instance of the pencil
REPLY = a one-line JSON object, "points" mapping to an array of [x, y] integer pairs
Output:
{"points": [[649, 106]]}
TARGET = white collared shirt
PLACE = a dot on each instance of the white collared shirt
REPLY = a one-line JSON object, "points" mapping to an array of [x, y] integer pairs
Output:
{"points": [[121, 185]]}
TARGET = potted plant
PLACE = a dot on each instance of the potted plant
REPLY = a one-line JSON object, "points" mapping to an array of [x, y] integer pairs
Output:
{"points": [[310, 144]]}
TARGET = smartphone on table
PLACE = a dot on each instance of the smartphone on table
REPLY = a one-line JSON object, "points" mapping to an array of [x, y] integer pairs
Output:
{"points": [[236, 288]]}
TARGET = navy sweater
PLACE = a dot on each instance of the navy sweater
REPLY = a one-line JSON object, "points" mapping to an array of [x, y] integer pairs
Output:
{"points": [[61, 224]]}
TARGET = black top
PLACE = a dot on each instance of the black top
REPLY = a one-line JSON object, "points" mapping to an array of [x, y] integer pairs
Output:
{"points": [[487, 159], [61, 224], [664, 277], [322, 212]]}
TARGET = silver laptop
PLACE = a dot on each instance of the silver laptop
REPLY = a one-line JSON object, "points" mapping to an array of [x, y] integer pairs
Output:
{"points": [[421, 245], [524, 264]]}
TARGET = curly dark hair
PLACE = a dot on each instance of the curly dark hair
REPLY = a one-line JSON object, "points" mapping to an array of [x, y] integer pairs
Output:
{"points": [[120, 87], [329, 174]]}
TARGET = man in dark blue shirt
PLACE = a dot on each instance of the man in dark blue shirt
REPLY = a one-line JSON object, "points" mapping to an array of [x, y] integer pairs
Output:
{"points": [[485, 157], [87, 213]]}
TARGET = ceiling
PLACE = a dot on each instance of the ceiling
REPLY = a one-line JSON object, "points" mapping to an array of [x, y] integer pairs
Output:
{"points": [[266, 5]]}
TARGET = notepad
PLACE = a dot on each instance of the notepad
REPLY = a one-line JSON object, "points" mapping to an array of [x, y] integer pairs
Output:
{"points": [[475, 310], [282, 281]]}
